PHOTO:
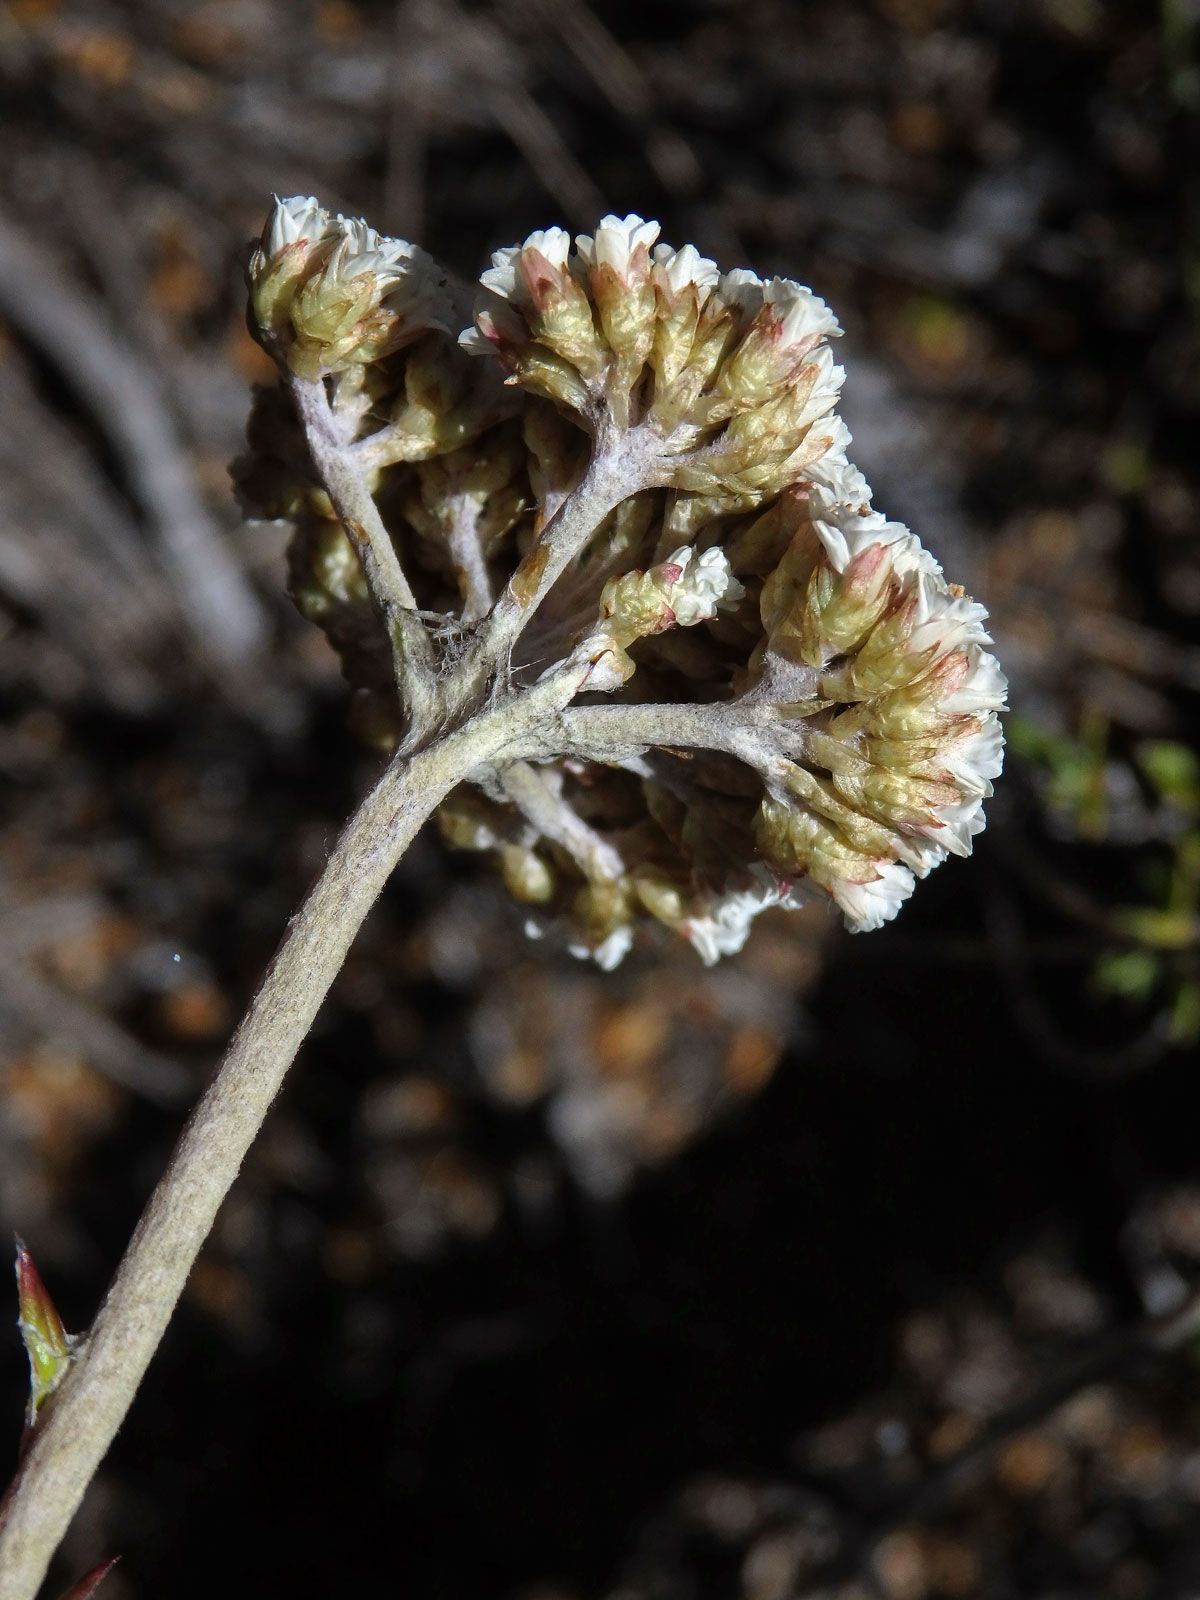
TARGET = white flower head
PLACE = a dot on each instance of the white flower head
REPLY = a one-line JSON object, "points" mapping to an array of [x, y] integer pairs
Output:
{"points": [[297, 239], [847, 537], [983, 688], [867, 906], [298, 219], [616, 244], [742, 289], [839, 487], [705, 584], [724, 926], [679, 268], [802, 316], [553, 245], [805, 318], [501, 276], [897, 770]]}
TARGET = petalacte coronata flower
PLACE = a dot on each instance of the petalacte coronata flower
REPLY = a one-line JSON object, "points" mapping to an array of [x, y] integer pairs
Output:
{"points": [[729, 373], [779, 693], [327, 292]]}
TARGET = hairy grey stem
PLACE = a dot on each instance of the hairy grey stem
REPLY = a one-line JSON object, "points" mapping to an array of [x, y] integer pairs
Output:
{"points": [[731, 725], [468, 724], [622, 464], [416, 676], [470, 562], [537, 795], [79, 1424]]}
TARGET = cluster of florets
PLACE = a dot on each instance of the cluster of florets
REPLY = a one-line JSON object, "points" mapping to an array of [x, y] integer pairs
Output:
{"points": [[646, 472], [328, 292]]}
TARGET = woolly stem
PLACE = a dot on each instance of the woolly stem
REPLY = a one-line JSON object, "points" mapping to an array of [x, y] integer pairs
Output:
{"points": [[78, 1424], [622, 464], [341, 476]]}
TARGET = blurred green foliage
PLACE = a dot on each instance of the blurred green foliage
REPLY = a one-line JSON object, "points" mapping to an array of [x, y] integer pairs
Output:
{"points": [[1154, 958]]}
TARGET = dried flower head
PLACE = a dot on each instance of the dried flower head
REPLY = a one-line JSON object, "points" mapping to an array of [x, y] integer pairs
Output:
{"points": [[628, 478]]}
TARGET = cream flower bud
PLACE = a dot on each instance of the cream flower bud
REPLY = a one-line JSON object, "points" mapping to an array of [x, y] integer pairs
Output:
{"points": [[678, 271], [685, 589], [789, 321], [603, 918], [620, 246], [369, 297], [533, 298], [617, 260], [526, 876], [683, 280], [299, 233], [910, 740], [609, 952]]}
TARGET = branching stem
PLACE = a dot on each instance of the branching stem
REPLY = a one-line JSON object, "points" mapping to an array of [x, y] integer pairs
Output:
{"points": [[465, 544], [469, 724], [619, 467], [77, 1427], [537, 794], [732, 726], [341, 475]]}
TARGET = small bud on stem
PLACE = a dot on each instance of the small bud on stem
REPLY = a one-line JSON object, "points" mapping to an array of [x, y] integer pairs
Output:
{"points": [[47, 1343]]}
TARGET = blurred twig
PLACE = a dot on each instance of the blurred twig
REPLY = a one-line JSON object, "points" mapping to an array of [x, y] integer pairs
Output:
{"points": [[547, 153], [50, 1013], [620, 80], [60, 319], [1003, 922], [417, 59], [1147, 1340], [495, 67]]}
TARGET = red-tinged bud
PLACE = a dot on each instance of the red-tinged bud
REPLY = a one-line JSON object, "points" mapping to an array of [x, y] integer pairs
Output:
{"points": [[544, 282], [90, 1582], [47, 1343]]}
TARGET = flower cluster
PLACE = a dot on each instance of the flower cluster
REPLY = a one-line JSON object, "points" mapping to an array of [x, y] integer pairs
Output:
{"points": [[329, 292], [630, 465], [731, 373], [898, 698]]}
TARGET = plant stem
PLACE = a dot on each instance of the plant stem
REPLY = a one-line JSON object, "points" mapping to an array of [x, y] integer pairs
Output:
{"points": [[78, 1425], [620, 466], [537, 795], [729, 725], [466, 548], [339, 472]]}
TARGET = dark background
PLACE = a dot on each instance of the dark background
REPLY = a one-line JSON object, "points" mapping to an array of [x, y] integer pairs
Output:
{"points": [[543, 1282]]}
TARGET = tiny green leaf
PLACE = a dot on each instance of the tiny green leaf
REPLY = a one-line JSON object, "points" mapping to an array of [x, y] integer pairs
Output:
{"points": [[47, 1342], [1184, 1027], [1128, 974], [1161, 930], [1174, 770]]}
